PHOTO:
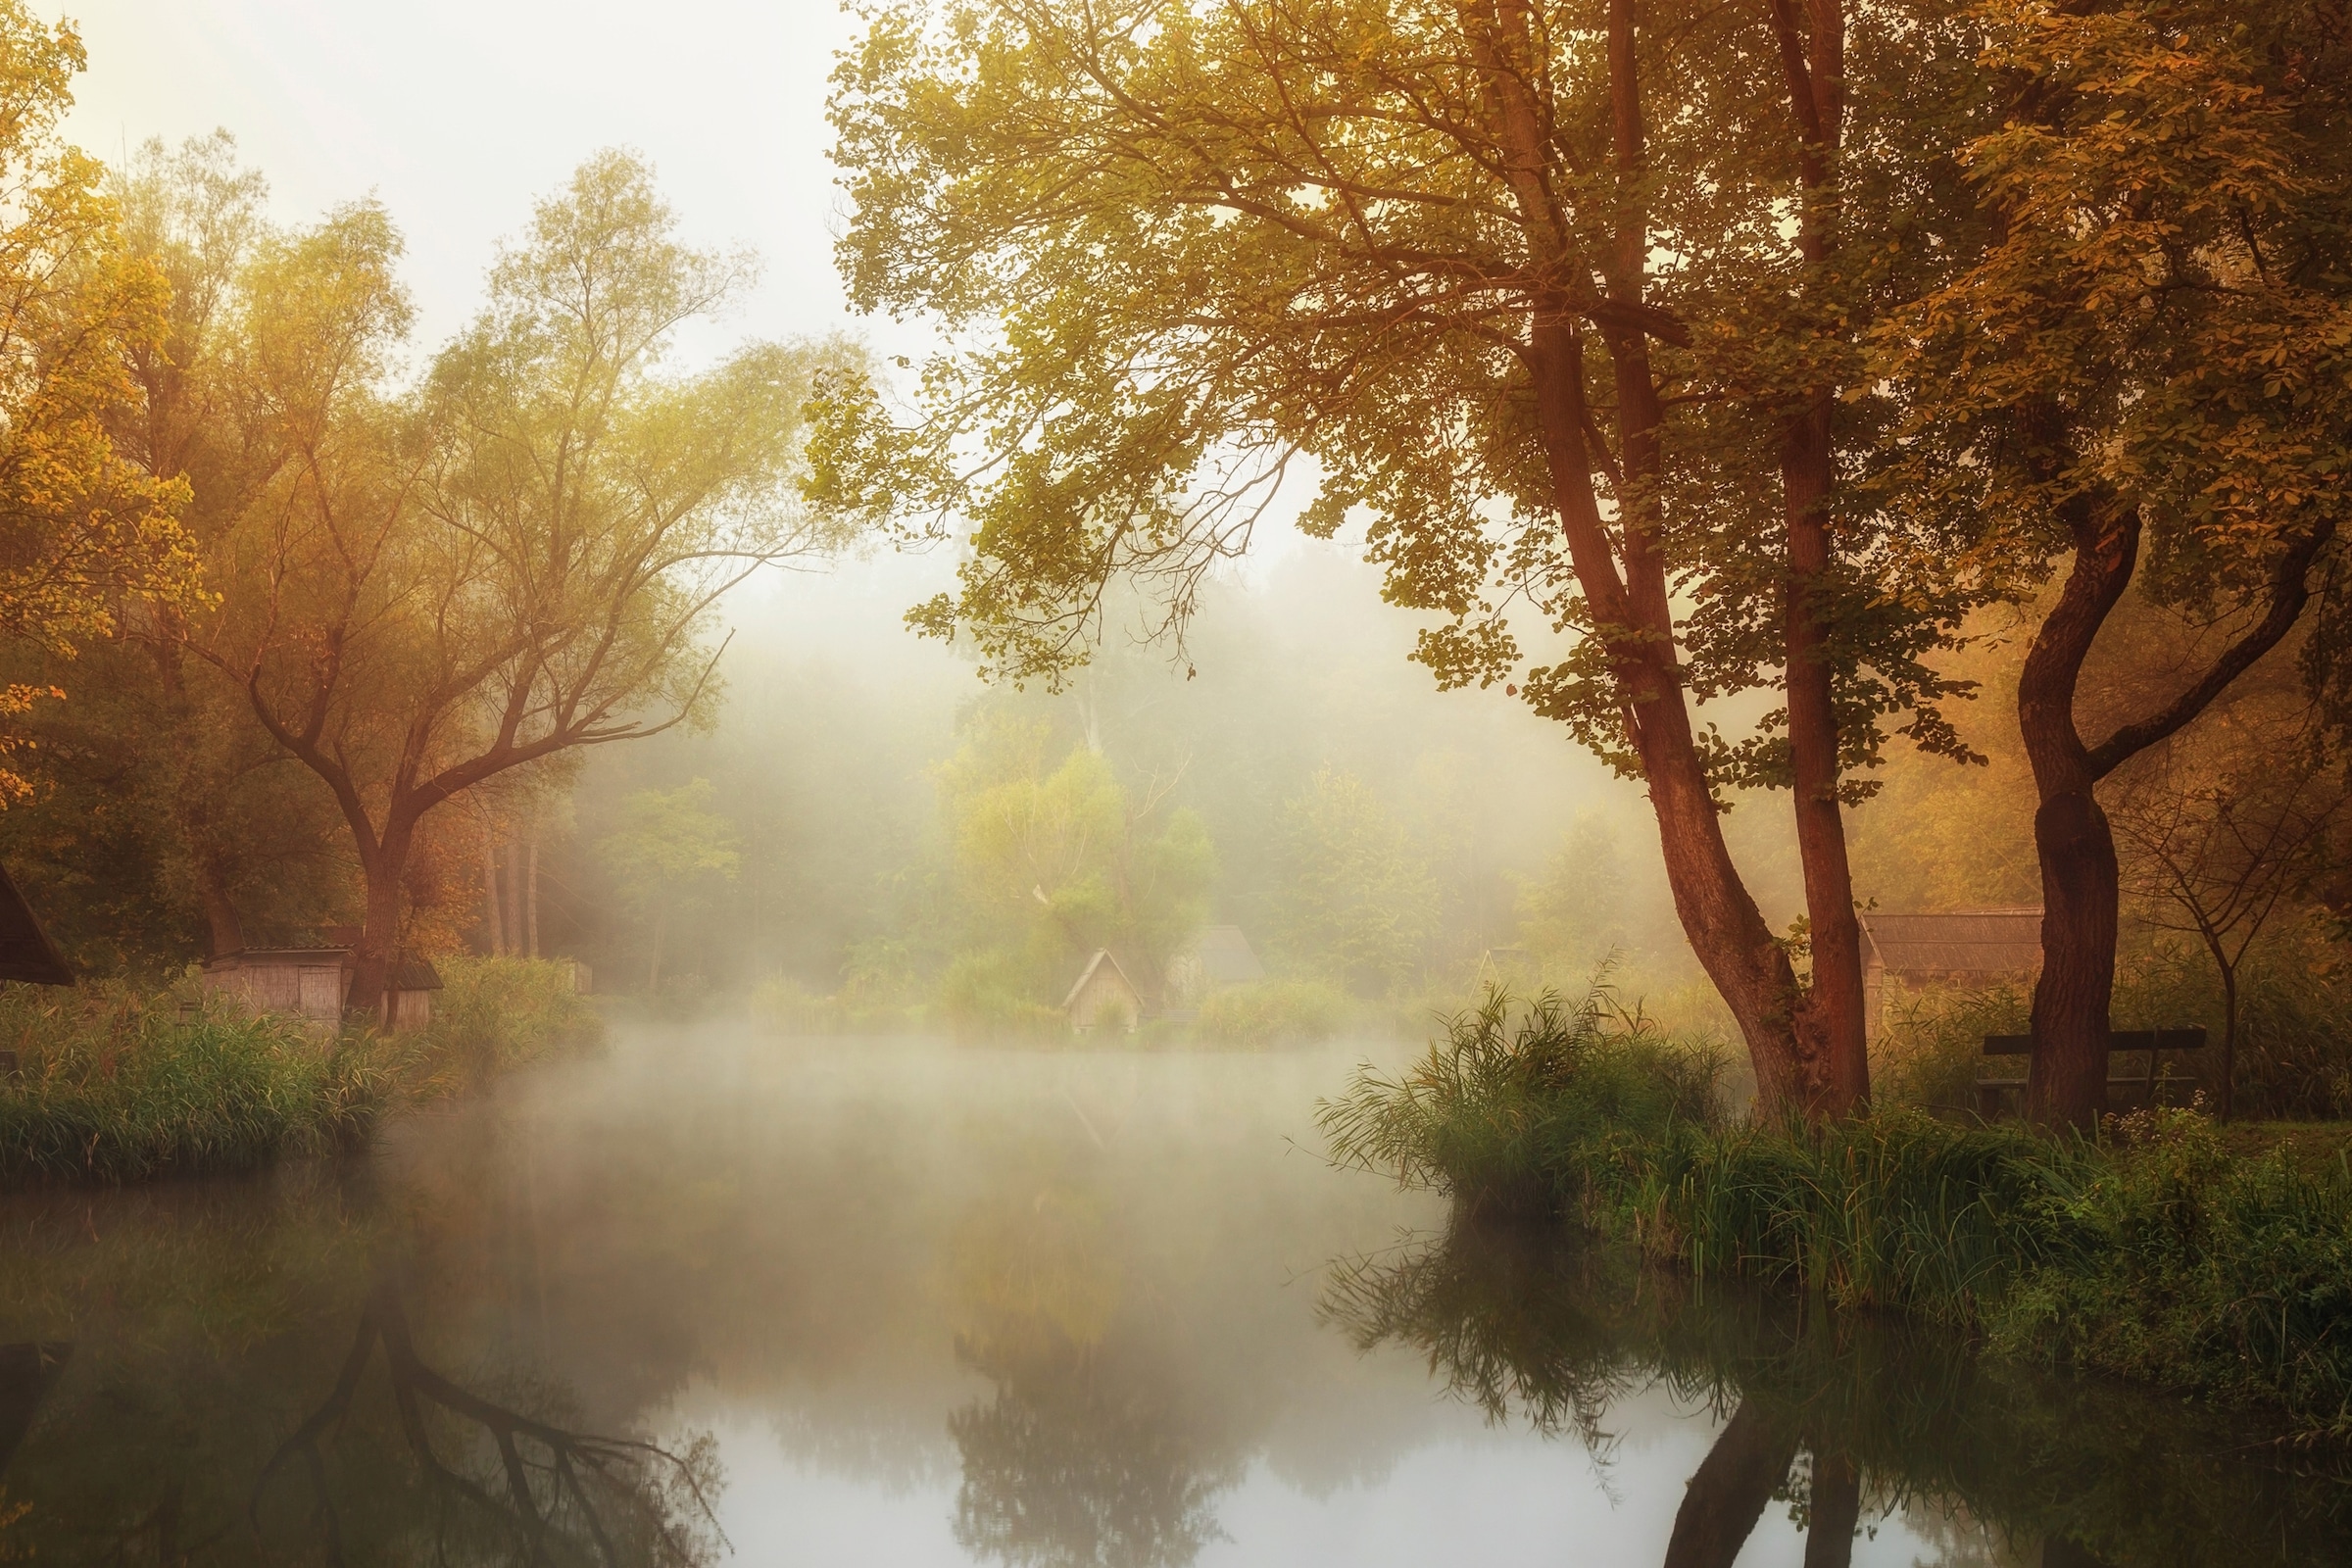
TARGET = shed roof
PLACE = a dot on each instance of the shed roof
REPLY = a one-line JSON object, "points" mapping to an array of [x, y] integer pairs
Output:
{"points": [[1101, 956], [25, 951], [408, 972], [1954, 942], [1225, 956]]}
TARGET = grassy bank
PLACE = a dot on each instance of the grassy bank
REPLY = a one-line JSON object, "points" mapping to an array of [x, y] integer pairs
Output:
{"points": [[2158, 1250], [117, 1082]]}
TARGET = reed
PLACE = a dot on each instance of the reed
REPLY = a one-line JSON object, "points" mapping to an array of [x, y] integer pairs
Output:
{"points": [[2151, 1250], [117, 1082]]}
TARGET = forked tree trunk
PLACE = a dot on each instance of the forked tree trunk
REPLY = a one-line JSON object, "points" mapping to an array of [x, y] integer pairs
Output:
{"points": [[1813, 69]]}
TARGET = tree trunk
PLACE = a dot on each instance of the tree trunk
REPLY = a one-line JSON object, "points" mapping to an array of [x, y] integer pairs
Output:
{"points": [[530, 898], [224, 927], [497, 926], [2066, 1078], [2229, 1038], [386, 868], [1729, 1493], [1836, 1000], [513, 897]]}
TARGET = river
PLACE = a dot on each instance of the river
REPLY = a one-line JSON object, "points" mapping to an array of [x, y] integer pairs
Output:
{"points": [[888, 1303]]}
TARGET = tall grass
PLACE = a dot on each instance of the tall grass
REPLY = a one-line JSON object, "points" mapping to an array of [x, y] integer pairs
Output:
{"points": [[117, 1082], [2150, 1252]]}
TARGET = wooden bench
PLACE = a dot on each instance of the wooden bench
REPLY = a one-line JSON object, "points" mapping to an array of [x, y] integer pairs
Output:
{"points": [[2152, 1042]]}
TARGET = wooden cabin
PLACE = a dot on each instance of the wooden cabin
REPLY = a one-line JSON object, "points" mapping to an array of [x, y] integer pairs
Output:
{"points": [[1218, 958], [1103, 998], [1972, 949], [311, 984]]}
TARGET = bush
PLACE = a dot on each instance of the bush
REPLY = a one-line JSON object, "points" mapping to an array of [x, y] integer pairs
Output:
{"points": [[1271, 1012], [987, 996], [2153, 1251], [1501, 1110], [116, 1083], [1932, 1048], [496, 1015]]}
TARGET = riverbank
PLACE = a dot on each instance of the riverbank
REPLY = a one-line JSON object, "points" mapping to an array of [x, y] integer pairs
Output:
{"points": [[119, 1082], [2166, 1251]]}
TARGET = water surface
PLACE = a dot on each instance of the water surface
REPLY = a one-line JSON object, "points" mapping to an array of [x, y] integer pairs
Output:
{"points": [[876, 1302]]}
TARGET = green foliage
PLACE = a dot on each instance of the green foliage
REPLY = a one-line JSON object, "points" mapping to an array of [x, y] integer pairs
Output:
{"points": [[669, 852], [496, 1015], [121, 1083], [1504, 1104], [1271, 1012], [1355, 900], [2152, 1253], [986, 995], [118, 1084]]}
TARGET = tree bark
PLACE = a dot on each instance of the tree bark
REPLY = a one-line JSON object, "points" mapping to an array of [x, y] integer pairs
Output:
{"points": [[530, 898], [224, 929], [513, 897]]}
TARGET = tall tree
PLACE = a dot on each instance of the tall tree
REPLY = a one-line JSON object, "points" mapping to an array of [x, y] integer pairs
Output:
{"points": [[519, 557], [1516, 278], [2153, 359], [84, 534]]}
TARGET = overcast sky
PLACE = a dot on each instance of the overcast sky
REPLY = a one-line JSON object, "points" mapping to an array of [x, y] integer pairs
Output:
{"points": [[457, 113]]}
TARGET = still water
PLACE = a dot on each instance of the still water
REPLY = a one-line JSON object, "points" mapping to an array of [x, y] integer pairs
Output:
{"points": [[888, 1303]]}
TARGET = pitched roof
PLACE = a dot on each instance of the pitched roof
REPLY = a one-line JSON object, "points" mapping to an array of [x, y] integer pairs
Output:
{"points": [[1101, 956], [1225, 956], [25, 951], [1956, 942]]}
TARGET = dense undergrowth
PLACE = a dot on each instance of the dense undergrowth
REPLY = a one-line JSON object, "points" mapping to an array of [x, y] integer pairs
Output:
{"points": [[119, 1082], [2151, 1252]]}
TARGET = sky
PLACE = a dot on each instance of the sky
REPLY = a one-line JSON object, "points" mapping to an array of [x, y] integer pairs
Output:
{"points": [[458, 113]]}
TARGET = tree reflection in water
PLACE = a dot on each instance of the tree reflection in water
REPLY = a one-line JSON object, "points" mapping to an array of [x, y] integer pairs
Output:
{"points": [[533, 1492], [1085, 1457], [1841, 1417]]}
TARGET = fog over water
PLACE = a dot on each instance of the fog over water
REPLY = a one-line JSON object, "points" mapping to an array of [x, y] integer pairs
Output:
{"points": [[901, 1303]]}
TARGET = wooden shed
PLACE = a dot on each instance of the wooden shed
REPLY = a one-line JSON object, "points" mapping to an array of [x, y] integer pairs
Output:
{"points": [[1970, 948], [312, 984], [1219, 956], [308, 982], [1103, 998]]}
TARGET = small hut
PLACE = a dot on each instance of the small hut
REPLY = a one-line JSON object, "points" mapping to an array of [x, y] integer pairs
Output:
{"points": [[412, 983], [1218, 958], [312, 984], [1973, 948], [307, 982], [1104, 997]]}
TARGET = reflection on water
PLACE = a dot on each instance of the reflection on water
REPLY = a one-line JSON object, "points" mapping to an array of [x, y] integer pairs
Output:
{"points": [[883, 1303]]}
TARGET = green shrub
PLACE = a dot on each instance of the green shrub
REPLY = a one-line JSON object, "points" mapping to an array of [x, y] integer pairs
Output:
{"points": [[2153, 1251], [1503, 1107], [989, 996], [116, 1083], [496, 1015], [1271, 1012], [1931, 1050]]}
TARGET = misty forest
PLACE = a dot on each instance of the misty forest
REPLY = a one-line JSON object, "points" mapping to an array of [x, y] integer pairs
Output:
{"points": [[1327, 781]]}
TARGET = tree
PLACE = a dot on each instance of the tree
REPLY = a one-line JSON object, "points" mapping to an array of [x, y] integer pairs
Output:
{"points": [[1517, 280], [85, 536], [668, 849], [2152, 358], [517, 557], [1355, 902], [2217, 835]]}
